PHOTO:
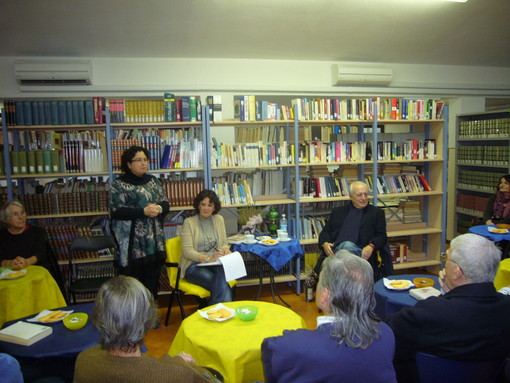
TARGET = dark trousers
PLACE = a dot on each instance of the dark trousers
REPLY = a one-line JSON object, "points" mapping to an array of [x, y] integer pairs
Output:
{"points": [[148, 273]]}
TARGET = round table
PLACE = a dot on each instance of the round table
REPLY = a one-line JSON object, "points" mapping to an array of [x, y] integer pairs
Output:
{"points": [[28, 295], [233, 347], [391, 301], [502, 278], [62, 342]]}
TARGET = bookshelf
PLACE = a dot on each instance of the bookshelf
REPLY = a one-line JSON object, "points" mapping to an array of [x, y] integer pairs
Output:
{"points": [[425, 239], [482, 157], [295, 141]]}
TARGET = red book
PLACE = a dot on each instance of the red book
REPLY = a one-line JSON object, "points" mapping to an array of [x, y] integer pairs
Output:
{"points": [[424, 182]]}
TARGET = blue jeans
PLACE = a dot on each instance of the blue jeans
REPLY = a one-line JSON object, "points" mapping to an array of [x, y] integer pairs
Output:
{"points": [[346, 245], [211, 278], [349, 246]]}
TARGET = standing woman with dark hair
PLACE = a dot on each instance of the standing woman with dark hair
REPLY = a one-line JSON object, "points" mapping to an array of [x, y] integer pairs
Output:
{"points": [[204, 240], [498, 205], [138, 205]]}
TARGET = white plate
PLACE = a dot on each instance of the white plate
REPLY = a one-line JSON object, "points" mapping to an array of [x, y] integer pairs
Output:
{"points": [[270, 244], [203, 313], [495, 230], [263, 238], [246, 242], [387, 282], [284, 240], [6, 272], [46, 312]]}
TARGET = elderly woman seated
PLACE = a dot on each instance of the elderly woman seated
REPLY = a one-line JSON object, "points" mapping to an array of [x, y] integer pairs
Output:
{"points": [[124, 312], [21, 244]]}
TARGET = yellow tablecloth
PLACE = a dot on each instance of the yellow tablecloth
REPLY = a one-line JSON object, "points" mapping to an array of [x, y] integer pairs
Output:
{"points": [[503, 275], [34, 292], [233, 347]]}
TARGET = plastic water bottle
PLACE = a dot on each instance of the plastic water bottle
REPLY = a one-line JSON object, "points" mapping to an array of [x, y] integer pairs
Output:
{"points": [[283, 223]]}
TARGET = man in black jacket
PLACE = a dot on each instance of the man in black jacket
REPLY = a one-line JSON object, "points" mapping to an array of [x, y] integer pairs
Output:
{"points": [[357, 227], [468, 323]]}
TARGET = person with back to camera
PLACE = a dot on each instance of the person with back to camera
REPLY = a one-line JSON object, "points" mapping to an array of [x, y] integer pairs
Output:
{"points": [[498, 205], [204, 240], [124, 312], [358, 227], [468, 323], [138, 205], [21, 244], [350, 343]]}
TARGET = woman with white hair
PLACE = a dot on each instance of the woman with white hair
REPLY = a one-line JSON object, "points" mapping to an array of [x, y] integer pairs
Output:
{"points": [[21, 244], [350, 343], [124, 312]]}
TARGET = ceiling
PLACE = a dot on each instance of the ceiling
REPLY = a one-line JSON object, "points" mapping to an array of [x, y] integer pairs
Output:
{"points": [[475, 33]]}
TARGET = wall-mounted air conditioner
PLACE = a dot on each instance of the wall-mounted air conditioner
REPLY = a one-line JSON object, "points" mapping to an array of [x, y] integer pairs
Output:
{"points": [[356, 76], [53, 72]]}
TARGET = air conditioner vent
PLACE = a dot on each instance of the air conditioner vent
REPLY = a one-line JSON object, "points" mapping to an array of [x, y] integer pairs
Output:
{"points": [[53, 72]]}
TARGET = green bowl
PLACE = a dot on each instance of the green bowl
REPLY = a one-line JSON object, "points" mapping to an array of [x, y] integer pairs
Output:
{"points": [[247, 312], [75, 321]]}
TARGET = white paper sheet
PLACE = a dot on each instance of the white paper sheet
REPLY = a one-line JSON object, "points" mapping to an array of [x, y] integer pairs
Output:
{"points": [[233, 265]]}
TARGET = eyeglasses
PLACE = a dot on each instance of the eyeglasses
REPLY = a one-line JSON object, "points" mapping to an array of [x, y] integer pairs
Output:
{"points": [[144, 160], [212, 246], [18, 214]]}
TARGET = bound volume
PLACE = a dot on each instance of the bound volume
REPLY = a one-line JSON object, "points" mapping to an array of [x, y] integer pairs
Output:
{"points": [[424, 293], [24, 333]]}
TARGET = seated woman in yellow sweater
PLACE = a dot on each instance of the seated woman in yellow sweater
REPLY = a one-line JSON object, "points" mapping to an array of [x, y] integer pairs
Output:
{"points": [[124, 312]]}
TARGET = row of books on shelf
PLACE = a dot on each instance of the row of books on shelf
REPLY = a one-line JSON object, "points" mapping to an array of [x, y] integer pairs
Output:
{"points": [[410, 149], [59, 197], [404, 183], [165, 135], [248, 134], [367, 109], [61, 236], [251, 154], [323, 152], [233, 193], [73, 159], [261, 183], [168, 109], [182, 192], [478, 180], [327, 187], [53, 112], [252, 108], [173, 155], [490, 128], [248, 108], [471, 202], [483, 155]]}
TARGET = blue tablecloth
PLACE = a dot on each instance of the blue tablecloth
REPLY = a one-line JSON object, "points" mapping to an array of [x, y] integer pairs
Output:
{"points": [[484, 232], [61, 343], [277, 256], [390, 301]]}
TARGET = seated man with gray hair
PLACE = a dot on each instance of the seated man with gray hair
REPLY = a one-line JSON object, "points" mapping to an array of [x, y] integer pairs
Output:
{"points": [[358, 227], [124, 312], [350, 343], [468, 323]]}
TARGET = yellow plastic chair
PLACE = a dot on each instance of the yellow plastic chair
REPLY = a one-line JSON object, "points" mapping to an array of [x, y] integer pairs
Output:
{"points": [[178, 283]]}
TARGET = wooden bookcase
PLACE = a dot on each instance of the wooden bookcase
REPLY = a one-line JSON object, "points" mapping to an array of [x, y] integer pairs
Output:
{"points": [[482, 157], [426, 239]]}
